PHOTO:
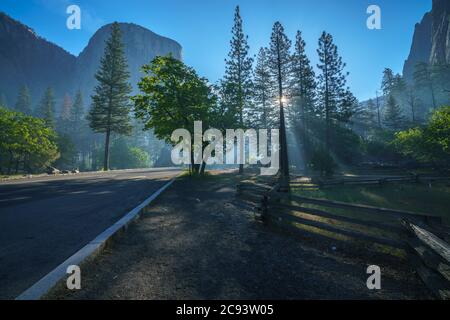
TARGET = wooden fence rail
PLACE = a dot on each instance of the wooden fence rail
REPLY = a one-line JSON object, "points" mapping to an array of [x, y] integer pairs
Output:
{"points": [[420, 235], [377, 181]]}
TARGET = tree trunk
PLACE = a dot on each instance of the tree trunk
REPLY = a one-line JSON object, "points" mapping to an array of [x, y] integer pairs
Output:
{"points": [[283, 146], [10, 162], [202, 168], [304, 139], [106, 159]]}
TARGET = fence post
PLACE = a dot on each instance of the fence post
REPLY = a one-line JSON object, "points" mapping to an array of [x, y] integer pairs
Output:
{"points": [[264, 213]]}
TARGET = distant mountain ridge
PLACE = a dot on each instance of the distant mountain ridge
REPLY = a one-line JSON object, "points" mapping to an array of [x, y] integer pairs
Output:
{"points": [[26, 58]]}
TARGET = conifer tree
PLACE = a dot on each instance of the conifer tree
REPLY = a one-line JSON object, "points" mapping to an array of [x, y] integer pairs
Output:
{"points": [[77, 112], [46, 109], [424, 80], [303, 91], [238, 74], [65, 110], [387, 82], [331, 83], [261, 115], [280, 67], [23, 103], [393, 117], [111, 102]]}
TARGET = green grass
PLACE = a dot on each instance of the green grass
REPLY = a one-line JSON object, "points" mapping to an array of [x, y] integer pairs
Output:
{"points": [[418, 198]]}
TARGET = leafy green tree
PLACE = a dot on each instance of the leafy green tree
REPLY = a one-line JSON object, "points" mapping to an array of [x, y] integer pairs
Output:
{"points": [[331, 85], [238, 74], [25, 142], [430, 144], [46, 109], [124, 156], [23, 103], [173, 96], [393, 117], [280, 66], [110, 103]]}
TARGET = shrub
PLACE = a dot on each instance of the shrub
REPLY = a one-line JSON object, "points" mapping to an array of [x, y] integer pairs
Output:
{"points": [[323, 162]]}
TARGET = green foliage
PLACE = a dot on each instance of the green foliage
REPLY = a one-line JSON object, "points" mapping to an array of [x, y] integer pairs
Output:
{"points": [[303, 83], [68, 153], [347, 145], [173, 96], [46, 108], [26, 143], [424, 79], [238, 73], [124, 156], [111, 102], [279, 58], [323, 162], [335, 102], [393, 117], [261, 115], [23, 103], [430, 144]]}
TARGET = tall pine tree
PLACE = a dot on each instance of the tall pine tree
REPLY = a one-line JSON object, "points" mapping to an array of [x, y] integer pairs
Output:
{"points": [[387, 82], [23, 103], [393, 117], [302, 91], [261, 115], [331, 83], [238, 74], [77, 112], [65, 110], [111, 102], [424, 80], [280, 67], [46, 108]]}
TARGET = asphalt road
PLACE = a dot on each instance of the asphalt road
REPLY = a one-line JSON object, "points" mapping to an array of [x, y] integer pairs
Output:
{"points": [[45, 220]]}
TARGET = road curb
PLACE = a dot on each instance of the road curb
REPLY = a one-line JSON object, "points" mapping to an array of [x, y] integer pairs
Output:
{"points": [[93, 248]]}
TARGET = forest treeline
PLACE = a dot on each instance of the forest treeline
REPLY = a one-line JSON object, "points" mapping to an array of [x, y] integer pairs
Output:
{"points": [[327, 126]]}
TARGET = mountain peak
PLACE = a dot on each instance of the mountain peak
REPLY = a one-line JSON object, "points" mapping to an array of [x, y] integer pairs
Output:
{"points": [[29, 59]]}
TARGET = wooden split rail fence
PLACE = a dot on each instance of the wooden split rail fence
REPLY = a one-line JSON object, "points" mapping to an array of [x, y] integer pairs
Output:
{"points": [[423, 237], [378, 181]]}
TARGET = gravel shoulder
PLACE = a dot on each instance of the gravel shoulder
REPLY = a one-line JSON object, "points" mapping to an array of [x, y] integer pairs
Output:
{"points": [[198, 241]]}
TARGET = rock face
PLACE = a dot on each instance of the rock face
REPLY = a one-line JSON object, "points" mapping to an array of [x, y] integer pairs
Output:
{"points": [[431, 41], [440, 51], [25, 58], [141, 46], [421, 46]]}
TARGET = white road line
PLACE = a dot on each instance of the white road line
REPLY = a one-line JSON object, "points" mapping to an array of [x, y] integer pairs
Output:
{"points": [[36, 291]]}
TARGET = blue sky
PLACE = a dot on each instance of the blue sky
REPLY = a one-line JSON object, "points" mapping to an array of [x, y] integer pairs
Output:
{"points": [[203, 27]]}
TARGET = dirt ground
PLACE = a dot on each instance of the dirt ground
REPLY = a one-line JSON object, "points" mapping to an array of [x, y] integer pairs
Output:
{"points": [[199, 241]]}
